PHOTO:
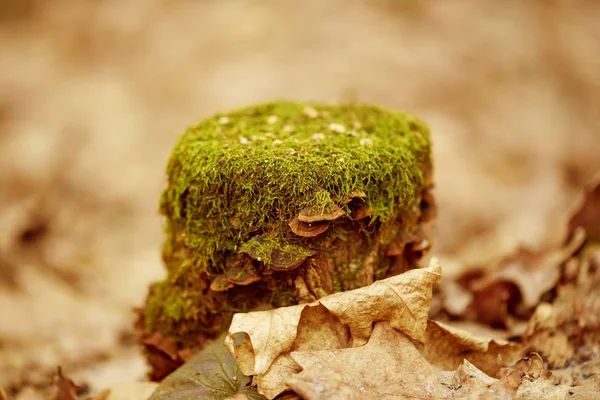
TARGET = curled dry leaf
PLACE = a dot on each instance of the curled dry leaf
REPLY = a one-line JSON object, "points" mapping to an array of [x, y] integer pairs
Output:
{"points": [[161, 343], [317, 329], [212, 374], [446, 347], [495, 303], [261, 341], [520, 282], [403, 300], [389, 366], [65, 388], [568, 328], [264, 336]]}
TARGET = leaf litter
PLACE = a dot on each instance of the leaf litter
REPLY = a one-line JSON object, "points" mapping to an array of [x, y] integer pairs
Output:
{"points": [[379, 342]]}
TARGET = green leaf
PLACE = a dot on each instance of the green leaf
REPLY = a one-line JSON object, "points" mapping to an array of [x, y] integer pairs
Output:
{"points": [[212, 374]]}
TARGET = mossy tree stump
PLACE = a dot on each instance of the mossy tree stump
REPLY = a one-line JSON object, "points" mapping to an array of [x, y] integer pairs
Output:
{"points": [[279, 204]]}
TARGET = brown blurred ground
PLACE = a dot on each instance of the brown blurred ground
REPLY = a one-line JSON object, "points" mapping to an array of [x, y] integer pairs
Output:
{"points": [[94, 93]]}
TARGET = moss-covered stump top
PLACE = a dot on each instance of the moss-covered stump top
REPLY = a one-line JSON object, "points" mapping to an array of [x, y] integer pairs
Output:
{"points": [[282, 171]]}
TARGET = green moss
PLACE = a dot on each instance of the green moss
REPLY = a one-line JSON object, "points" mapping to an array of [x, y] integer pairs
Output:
{"points": [[262, 248], [236, 180], [252, 170]]}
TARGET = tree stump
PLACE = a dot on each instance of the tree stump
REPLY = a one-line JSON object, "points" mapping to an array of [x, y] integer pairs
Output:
{"points": [[279, 204]]}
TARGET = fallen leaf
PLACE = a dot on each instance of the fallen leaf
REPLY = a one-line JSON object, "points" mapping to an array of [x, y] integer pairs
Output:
{"points": [[583, 379], [370, 342], [541, 389], [403, 300], [447, 347], [389, 366], [588, 216], [261, 341], [318, 329], [212, 374], [494, 303], [570, 324], [536, 273], [161, 352], [161, 343], [264, 336], [65, 388], [519, 282]]}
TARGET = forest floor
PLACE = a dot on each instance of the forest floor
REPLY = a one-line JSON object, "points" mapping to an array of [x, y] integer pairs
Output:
{"points": [[94, 94]]}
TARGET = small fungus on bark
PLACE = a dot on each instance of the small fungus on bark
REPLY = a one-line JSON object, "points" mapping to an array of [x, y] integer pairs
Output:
{"points": [[307, 229]]}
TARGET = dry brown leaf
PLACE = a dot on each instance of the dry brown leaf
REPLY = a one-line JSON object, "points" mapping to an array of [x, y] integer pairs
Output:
{"points": [[389, 366], [161, 343], [261, 341], [532, 381], [324, 356], [554, 345], [446, 347], [584, 379], [264, 336], [65, 388], [514, 288], [543, 388], [588, 216], [402, 300], [534, 273], [570, 326], [318, 329]]}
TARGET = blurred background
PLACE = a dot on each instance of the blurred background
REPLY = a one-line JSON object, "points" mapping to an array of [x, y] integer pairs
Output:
{"points": [[93, 94]]}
